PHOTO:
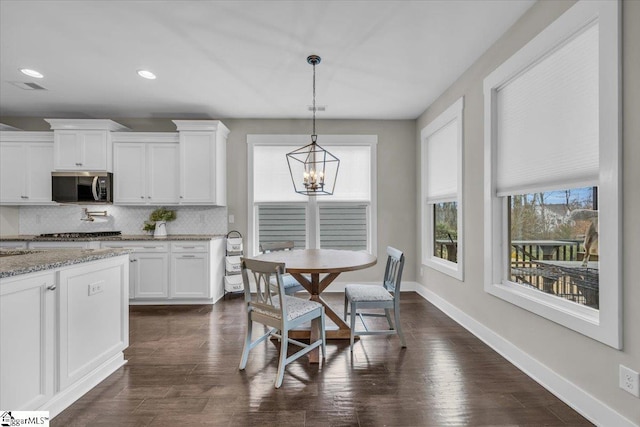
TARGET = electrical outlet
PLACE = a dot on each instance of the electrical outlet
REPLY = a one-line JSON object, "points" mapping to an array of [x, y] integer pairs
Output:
{"points": [[95, 288], [629, 381]]}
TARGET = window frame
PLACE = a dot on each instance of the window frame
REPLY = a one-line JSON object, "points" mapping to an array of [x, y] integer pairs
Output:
{"points": [[603, 325], [429, 259], [312, 203]]}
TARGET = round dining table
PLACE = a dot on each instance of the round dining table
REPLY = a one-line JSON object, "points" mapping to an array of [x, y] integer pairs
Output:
{"points": [[307, 266]]}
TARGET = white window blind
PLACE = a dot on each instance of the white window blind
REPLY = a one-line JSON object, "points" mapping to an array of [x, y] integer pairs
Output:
{"points": [[442, 164], [271, 177], [354, 176], [547, 121]]}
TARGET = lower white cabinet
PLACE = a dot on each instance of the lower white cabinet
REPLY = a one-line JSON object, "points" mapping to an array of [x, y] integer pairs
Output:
{"points": [[190, 270], [27, 320], [174, 272]]}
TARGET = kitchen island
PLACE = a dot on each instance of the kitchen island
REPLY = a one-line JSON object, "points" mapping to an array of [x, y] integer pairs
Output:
{"points": [[64, 324]]}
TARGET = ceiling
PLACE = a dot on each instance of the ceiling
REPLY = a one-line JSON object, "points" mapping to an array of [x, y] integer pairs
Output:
{"points": [[241, 59]]}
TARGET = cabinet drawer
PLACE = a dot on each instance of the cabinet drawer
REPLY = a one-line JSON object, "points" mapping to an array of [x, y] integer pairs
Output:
{"points": [[13, 245], [189, 246], [139, 246]]}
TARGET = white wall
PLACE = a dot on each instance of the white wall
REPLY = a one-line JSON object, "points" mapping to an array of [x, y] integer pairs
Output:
{"points": [[564, 354]]}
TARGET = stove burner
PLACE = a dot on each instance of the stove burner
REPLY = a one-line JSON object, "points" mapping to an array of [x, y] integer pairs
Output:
{"points": [[77, 234]]}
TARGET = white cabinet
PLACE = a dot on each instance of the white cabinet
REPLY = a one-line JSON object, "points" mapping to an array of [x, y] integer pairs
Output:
{"points": [[27, 350], [190, 270], [63, 245], [148, 268], [26, 161], [203, 157], [81, 150], [146, 172], [83, 144], [174, 272], [62, 332], [93, 323]]}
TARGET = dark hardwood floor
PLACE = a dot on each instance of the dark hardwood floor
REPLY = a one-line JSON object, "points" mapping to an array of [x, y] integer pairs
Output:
{"points": [[183, 371]]}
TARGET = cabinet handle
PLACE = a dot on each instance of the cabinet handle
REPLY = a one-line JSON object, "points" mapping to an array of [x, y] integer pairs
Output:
{"points": [[51, 287], [188, 247], [149, 247], [78, 164], [24, 197], [133, 260], [188, 256]]}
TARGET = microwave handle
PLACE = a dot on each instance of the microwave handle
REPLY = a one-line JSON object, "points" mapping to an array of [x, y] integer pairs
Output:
{"points": [[94, 188]]}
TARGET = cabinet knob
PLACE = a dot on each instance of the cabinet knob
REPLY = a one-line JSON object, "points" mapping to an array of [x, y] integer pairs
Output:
{"points": [[142, 197], [148, 197], [51, 287], [182, 197]]}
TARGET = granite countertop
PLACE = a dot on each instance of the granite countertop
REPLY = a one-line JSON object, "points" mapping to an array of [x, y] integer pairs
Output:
{"points": [[124, 237], [16, 262]]}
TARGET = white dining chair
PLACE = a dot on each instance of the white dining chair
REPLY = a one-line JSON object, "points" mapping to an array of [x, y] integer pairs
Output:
{"points": [[278, 311], [291, 285], [387, 297]]}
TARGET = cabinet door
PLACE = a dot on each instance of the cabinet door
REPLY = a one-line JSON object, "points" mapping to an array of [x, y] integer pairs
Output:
{"points": [[162, 173], [13, 187], [81, 150], [152, 279], [129, 174], [27, 322], [190, 275], [39, 167], [67, 150], [93, 148], [197, 168]]}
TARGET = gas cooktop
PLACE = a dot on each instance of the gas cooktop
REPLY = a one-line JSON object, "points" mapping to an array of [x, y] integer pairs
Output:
{"points": [[78, 234]]}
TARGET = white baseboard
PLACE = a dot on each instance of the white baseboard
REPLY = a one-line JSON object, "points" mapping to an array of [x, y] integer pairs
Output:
{"points": [[66, 397], [587, 405]]}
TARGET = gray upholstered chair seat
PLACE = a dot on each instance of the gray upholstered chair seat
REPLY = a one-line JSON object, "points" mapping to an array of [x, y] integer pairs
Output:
{"points": [[291, 285], [367, 293], [294, 307]]}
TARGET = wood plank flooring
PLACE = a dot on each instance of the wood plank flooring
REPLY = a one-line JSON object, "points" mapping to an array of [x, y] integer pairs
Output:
{"points": [[183, 371]]}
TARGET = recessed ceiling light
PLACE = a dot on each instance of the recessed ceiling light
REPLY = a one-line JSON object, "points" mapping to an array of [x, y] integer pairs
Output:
{"points": [[146, 74], [31, 73]]}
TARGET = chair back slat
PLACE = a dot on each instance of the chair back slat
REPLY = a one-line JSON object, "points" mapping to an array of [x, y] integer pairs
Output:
{"points": [[276, 246], [393, 270], [268, 298]]}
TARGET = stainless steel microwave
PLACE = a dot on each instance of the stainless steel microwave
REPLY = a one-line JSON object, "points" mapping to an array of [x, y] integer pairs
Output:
{"points": [[82, 187]]}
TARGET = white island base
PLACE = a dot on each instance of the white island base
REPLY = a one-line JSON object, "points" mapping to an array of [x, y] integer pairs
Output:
{"points": [[62, 331]]}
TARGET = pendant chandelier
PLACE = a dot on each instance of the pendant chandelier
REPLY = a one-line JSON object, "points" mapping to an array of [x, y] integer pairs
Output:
{"points": [[313, 169]]}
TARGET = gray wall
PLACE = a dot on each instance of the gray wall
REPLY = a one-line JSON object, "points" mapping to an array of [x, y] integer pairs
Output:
{"points": [[588, 364]]}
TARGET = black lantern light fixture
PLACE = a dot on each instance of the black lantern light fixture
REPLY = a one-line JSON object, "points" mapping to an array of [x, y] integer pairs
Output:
{"points": [[313, 169]]}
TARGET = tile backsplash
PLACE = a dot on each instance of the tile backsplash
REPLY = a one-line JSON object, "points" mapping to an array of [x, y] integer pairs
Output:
{"points": [[127, 219]]}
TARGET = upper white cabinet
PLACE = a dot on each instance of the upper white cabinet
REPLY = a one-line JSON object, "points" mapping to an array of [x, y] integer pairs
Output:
{"points": [[83, 144], [203, 157], [26, 161], [145, 168]]}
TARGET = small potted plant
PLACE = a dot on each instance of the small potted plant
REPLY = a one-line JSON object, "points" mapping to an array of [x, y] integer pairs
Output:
{"points": [[158, 220]]}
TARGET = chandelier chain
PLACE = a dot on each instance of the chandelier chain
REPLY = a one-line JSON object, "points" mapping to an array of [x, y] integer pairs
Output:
{"points": [[314, 98]]}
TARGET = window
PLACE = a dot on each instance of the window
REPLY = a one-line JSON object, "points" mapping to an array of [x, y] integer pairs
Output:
{"points": [[442, 237], [552, 173], [345, 220]]}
